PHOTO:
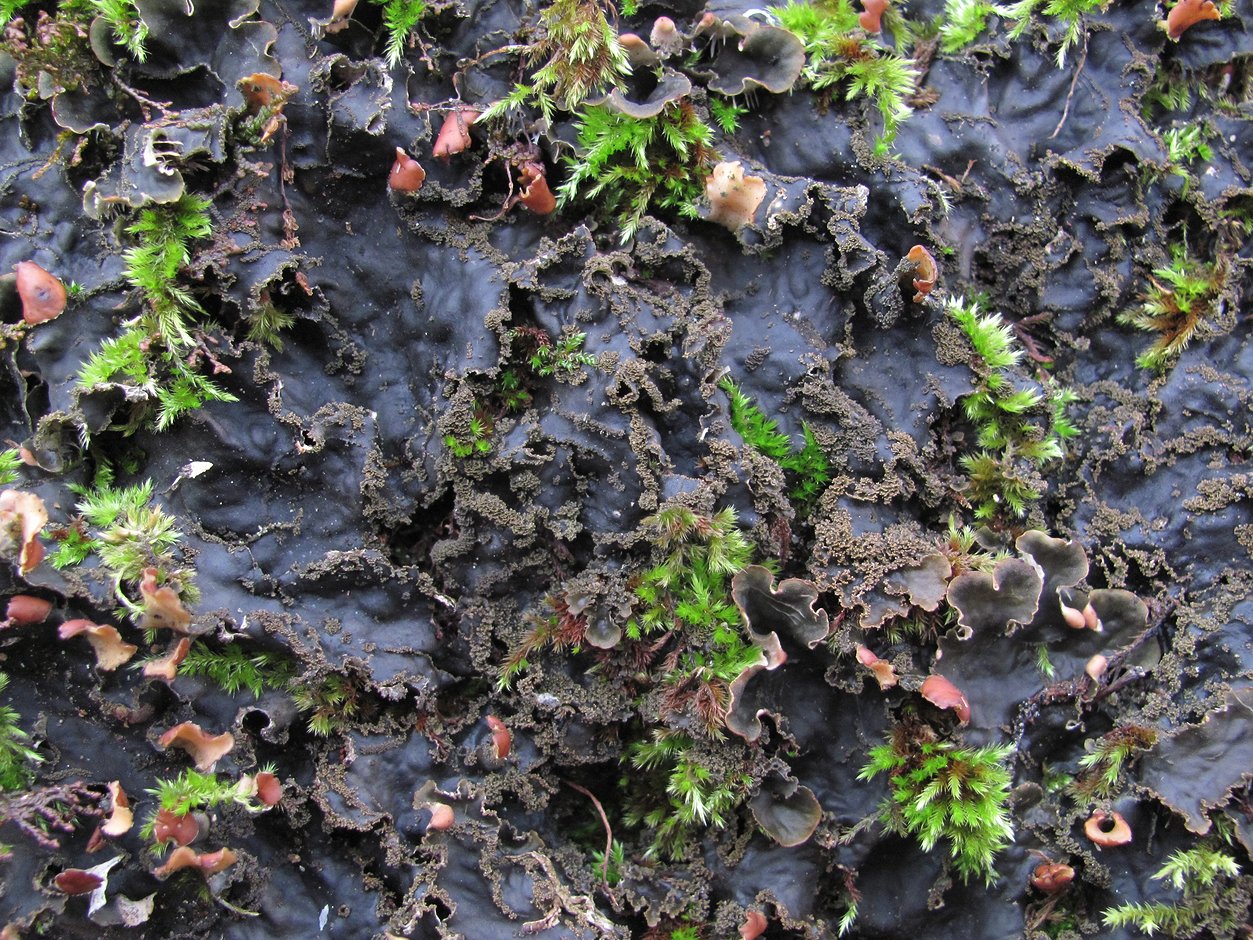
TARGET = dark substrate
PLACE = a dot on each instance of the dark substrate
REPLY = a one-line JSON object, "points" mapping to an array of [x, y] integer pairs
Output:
{"points": [[336, 527]]}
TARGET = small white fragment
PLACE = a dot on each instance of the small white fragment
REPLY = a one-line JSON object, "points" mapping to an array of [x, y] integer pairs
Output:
{"points": [[547, 700], [189, 471], [101, 871], [195, 468], [133, 913], [326, 912]]}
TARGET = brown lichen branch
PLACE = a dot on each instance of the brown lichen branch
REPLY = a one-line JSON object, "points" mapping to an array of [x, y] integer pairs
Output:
{"points": [[1070, 95], [1030, 344], [42, 812], [604, 821], [579, 906]]}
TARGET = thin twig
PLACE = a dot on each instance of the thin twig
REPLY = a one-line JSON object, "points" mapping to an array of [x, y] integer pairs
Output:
{"points": [[608, 831], [145, 103], [1083, 58], [464, 64]]}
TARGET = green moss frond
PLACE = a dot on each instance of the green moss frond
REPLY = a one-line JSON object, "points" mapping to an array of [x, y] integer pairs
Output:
{"points": [[807, 465], [400, 19], [632, 166], [119, 359], [726, 113], [128, 27], [1070, 13], [1211, 901], [330, 703], [233, 669], [940, 791], [576, 56], [840, 56], [964, 21], [1179, 298], [10, 463], [696, 797], [16, 755], [1019, 426], [1109, 756]]}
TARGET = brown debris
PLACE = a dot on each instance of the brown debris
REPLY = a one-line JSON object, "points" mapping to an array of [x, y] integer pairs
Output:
{"points": [[122, 817], [1187, 13], [928, 271], [205, 749], [872, 15], [502, 739], [1051, 877], [170, 826], [733, 197], [535, 194], [340, 14], [263, 785], [269, 789], [754, 925], [454, 134], [22, 517], [43, 296], [665, 36], [884, 674], [166, 668], [941, 693], [209, 863], [26, 611], [1095, 667], [77, 881], [442, 816], [111, 650], [262, 89], [1107, 829], [407, 174], [163, 608]]}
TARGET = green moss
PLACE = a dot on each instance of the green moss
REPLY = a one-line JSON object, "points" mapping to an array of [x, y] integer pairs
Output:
{"points": [[128, 27], [1212, 904], [16, 755], [842, 58], [400, 19], [576, 55], [633, 166], [128, 535], [1070, 13], [1179, 298], [612, 873], [163, 236], [10, 462], [807, 466], [940, 791], [330, 703], [192, 790], [476, 441], [963, 22], [233, 669], [1020, 427], [683, 599], [696, 797], [10, 9], [563, 358], [726, 113], [153, 355], [1109, 756]]}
